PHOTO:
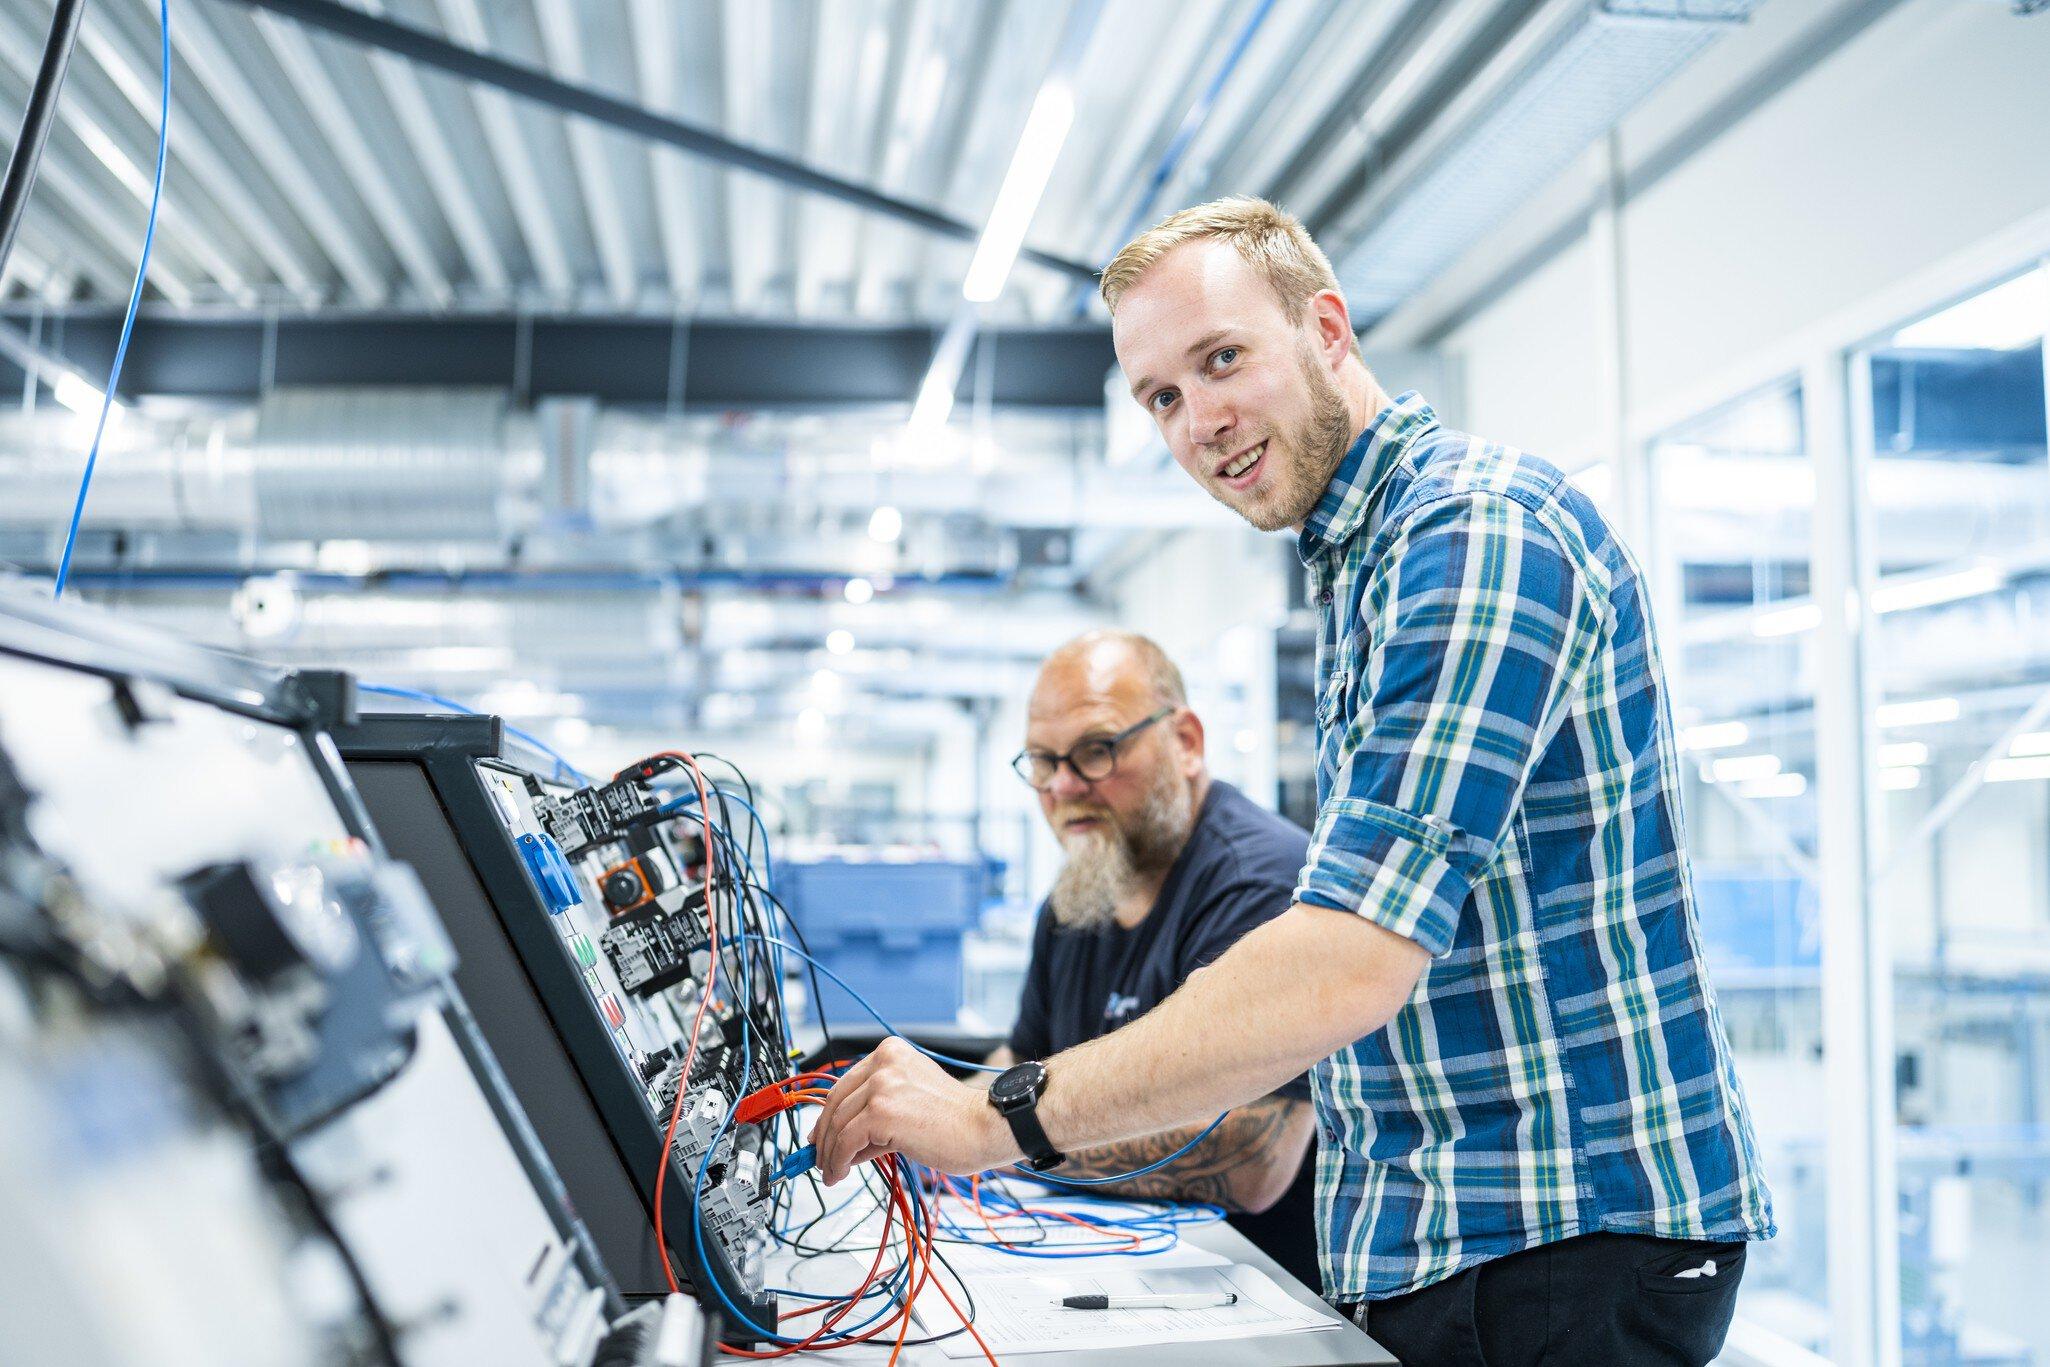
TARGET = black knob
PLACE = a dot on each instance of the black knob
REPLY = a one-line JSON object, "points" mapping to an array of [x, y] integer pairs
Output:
{"points": [[623, 888]]}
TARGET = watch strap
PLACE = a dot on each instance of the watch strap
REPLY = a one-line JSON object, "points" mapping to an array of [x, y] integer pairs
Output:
{"points": [[1040, 1154]]}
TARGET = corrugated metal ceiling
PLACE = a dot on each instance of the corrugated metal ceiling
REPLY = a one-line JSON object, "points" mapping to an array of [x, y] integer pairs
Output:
{"points": [[308, 172]]}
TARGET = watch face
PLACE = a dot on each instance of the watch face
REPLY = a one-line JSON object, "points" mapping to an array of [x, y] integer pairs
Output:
{"points": [[1017, 1084]]}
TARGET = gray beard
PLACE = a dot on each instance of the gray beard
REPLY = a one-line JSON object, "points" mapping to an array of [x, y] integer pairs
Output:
{"points": [[1105, 867]]}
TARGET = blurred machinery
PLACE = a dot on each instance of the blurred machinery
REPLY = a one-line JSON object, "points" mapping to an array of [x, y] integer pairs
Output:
{"points": [[245, 1115]]}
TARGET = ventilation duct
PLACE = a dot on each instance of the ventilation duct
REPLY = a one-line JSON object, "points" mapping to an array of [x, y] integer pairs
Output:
{"points": [[393, 465]]}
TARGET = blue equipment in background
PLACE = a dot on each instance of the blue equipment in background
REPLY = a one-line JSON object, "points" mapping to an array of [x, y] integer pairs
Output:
{"points": [[891, 928], [1759, 927]]}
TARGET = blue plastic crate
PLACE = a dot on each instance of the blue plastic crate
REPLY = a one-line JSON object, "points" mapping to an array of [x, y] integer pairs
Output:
{"points": [[891, 929]]}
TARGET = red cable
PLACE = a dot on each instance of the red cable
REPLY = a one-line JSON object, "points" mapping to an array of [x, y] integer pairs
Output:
{"points": [[704, 1000]]}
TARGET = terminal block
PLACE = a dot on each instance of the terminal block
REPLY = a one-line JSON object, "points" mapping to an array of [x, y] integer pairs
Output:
{"points": [[589, 817], [651, 948]]}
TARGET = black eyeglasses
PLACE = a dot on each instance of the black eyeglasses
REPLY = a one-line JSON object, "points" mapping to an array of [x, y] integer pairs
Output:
{"points": [[1093, 759]]}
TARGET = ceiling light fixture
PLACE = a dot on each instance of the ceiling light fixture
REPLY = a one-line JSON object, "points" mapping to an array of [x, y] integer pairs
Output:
{"points": [[1922, 712], [1937, 588], [1714, 735], [1743, 768], [1039, 147]]}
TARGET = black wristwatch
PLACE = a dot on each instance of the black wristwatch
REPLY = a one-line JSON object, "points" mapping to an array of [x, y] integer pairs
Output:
{"points": [[1015, 1094]]}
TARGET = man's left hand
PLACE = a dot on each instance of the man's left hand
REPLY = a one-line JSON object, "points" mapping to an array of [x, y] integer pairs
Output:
{"points": [[899, 1101]]}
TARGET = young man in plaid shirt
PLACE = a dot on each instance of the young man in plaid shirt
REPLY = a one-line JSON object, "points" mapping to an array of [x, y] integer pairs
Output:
{"points": [[1531, 1139]]}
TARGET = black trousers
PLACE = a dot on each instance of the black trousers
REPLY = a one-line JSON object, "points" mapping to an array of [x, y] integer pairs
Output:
{"points": [[1612, 1299]]}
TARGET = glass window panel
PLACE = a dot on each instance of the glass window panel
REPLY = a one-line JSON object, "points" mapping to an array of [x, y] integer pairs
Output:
{"points": [[1959, 489], [1734, 495]]}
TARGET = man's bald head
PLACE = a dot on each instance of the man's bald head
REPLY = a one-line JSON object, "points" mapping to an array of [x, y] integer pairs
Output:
{"points": [[1110, 663]]}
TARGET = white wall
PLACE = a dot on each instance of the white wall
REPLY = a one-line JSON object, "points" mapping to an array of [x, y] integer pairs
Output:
{"points": [[1919, 140], [1212, 599]]}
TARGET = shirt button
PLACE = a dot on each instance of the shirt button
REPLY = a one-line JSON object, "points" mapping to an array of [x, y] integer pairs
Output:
{"points": [[1324, 599]]}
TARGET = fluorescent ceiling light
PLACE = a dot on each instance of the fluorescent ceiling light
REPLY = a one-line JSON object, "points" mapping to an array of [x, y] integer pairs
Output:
{"points": [[1778, 785], [1922, 712], [1903, 753], [1039, 147], [1937, 588], [859, 591], [1714, 735], [76, 394], [2030, 743], [2015, 770], [929, 414], [840, 641], [1740, 768], [1999, 319], [885, 524], [1899, 780], [1787, 621]]}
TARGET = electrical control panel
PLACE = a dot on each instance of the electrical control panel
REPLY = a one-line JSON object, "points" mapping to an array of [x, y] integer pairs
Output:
{"points": [[245, 1114], [592, 921]]}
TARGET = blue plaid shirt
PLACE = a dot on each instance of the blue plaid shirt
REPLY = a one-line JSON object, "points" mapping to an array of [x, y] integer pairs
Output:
{"points": [[1497, 781]]}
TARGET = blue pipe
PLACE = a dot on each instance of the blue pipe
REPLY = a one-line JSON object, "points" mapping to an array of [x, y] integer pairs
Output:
{"points": [[1178, 146], [817, 581]]}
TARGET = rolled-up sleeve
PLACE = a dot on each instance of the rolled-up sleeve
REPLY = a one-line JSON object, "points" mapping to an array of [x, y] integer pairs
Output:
{"points": [[1478, 631]]}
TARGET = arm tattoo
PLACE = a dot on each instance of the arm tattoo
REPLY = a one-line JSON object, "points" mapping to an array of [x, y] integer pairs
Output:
{"points": [[1224, 1169]]}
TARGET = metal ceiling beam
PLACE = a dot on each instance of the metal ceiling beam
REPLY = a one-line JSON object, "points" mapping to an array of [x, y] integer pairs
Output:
{"points": [[445, 174], [617, 360], [93, 128], [338, 123], [515, 161], [286, 165], [417, 44], [198, 156], [1416, 118], [564, 47], [1403, 34], [655, 70]]}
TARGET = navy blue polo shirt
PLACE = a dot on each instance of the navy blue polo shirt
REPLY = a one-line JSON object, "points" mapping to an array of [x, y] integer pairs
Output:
{"points": [[1238, 869]]}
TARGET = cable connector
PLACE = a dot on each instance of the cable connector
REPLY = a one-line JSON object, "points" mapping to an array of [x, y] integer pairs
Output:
{"points": [[798, 1163], [762, 1103]]}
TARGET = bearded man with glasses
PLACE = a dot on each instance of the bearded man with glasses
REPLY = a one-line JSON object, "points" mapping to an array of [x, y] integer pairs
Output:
{"points": [[1165, 869]]}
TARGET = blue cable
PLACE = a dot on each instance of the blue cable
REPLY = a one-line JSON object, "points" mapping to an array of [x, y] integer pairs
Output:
{"points": [[863, 1003], [689, 796], [1117, 1177], [562, 766], [149, 237]]}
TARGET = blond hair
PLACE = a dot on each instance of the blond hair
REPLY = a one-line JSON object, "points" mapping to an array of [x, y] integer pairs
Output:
{"points": [[1267, 237]]}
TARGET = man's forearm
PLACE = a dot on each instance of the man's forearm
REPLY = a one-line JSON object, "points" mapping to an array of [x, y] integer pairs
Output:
{"points": [[1291, 992], [1245, 1165]]}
